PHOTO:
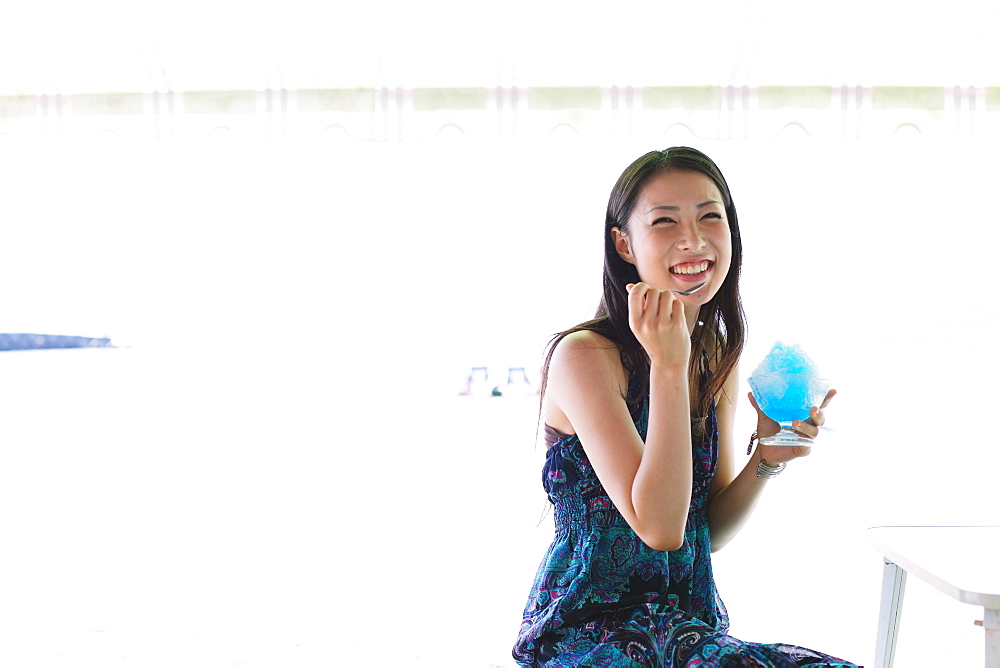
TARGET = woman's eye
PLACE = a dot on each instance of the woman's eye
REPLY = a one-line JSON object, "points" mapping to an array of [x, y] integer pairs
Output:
{"points": [[663, 220], [712, 215]]}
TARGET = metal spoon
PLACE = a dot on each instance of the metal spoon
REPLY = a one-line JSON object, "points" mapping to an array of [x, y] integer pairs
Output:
{"points": [[688, 292]]}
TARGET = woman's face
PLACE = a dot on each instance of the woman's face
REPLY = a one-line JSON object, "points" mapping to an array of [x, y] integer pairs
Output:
{"points": [[678, 235]]}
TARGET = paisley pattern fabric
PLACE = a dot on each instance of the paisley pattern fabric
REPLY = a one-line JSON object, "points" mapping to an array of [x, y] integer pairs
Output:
{"points": [[602, 597]]}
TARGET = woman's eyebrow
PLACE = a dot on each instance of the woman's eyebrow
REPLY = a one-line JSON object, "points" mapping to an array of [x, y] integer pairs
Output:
{"points": [[671, 207]]}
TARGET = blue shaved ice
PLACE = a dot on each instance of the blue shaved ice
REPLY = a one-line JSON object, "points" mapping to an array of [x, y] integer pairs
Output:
{"points": [[786, 384]]}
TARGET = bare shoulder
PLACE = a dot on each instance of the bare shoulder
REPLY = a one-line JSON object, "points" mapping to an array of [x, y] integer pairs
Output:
{"points": [[586, 340], [585, 352], [585, 370]]}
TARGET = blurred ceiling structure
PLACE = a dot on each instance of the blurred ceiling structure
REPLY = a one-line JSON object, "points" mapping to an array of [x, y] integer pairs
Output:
{"points": [[53, 51]]}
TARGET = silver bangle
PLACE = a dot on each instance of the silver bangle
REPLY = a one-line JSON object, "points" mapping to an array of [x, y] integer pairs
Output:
{"points": [[767, 471]]}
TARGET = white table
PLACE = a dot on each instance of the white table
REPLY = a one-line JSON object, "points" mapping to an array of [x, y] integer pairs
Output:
{"points": [[961, 561]]}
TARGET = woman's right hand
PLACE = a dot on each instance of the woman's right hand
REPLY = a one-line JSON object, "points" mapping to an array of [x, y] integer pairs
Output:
{"points": [[657, 320]]}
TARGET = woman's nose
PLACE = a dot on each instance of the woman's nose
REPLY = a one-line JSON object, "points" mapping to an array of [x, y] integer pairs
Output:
{"points": [[692, 238]]}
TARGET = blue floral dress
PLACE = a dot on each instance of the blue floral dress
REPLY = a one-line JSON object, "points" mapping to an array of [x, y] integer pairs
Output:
{"points": [[602, 597]]}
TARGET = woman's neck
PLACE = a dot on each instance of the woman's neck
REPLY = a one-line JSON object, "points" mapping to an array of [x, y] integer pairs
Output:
{"points": [[691, 315]]}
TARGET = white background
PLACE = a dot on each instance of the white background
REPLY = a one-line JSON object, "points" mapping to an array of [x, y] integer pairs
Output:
{"points": [[274, 469], [277, 469]]}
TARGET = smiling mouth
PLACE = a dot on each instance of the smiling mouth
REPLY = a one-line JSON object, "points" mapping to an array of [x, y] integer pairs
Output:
{"points": [[691, 268]]}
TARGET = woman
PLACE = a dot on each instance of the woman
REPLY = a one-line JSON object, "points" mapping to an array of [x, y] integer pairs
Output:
{"points": [[639, 406]]}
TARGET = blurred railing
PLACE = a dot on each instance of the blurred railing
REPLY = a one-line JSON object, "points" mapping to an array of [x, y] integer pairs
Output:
{"points": [[418, 114]]}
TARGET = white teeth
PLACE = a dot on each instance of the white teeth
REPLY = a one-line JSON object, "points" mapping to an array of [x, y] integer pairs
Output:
{"points": [[691, 269]]}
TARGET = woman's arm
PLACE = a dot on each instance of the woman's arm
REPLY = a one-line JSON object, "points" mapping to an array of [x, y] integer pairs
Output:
{"points": [[732, 498], [649, 482]]}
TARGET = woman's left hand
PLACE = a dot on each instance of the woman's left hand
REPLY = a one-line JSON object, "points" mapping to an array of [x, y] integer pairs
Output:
{"points": [[776, 454]]}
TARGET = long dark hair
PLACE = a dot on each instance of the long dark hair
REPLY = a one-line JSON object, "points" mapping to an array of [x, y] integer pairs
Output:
{"points": [[723, 330]]}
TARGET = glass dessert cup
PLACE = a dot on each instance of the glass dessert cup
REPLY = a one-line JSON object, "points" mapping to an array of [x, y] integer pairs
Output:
{"points": [[787, 437], [786, 397]]}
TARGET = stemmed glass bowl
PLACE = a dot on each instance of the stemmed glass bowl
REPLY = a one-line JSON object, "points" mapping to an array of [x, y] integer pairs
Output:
{"points": [[786, 385]]}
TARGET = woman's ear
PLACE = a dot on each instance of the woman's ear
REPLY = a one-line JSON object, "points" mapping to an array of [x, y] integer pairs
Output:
{"points": [[622, 245]]}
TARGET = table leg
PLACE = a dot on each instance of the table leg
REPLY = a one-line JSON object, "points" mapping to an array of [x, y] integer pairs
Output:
{"points": [[893, 586], [991, 624]]}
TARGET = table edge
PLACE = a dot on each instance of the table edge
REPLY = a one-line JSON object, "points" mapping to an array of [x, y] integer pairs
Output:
{"points": [[991, 601]]}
